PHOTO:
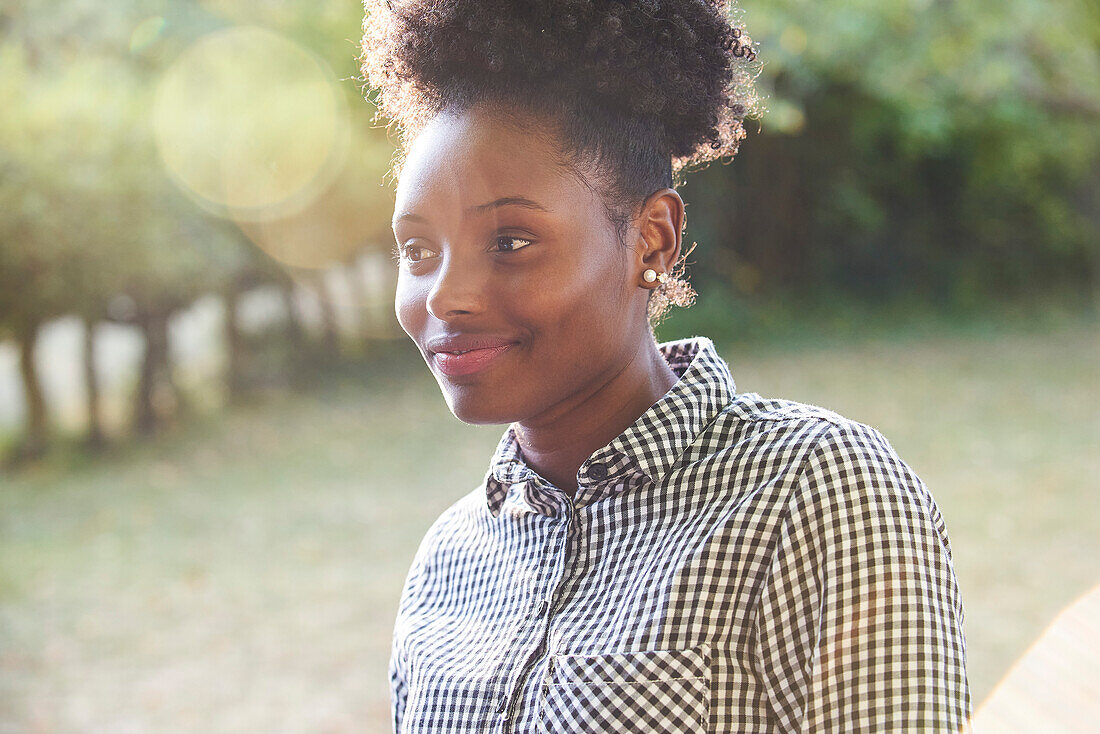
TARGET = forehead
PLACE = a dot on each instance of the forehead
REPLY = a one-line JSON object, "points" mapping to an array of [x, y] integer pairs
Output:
{"points": [[468, 158]]}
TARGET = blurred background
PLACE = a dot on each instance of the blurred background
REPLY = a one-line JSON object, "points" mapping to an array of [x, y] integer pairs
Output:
{"points": [[220, 451]]}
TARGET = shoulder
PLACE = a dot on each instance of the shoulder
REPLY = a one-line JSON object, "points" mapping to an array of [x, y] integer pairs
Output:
{"points": [[850, 486], [767, 438], [854, 466], [754, 408], [463, 518], [822, 434], [822, 457]]}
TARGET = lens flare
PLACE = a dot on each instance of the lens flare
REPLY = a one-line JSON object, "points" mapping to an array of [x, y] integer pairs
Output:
{"points": [[250, 123], [1055, 685]]}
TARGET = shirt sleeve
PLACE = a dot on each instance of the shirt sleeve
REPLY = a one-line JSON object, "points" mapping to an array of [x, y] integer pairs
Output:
{"points": [[416, 578], [399, 689], [859, 627]]}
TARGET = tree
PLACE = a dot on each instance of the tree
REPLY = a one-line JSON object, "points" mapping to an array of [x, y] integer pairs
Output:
{"points": [[923, 147]]}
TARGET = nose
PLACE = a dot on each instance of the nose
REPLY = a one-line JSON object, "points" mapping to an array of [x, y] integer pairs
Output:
{"points": [[458, 288]]}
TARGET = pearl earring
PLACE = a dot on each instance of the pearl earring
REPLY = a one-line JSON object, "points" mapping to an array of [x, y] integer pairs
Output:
{"points": [[651, 275]]}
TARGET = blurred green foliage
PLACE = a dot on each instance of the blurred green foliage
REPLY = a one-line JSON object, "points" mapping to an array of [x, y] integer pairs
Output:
{"points": [[926, 148], [91, 221], [88, 211], [925, 152]]}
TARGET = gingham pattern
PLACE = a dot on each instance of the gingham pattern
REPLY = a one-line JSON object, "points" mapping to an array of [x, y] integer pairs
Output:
{"points": [[730, 563], [650, 691]]}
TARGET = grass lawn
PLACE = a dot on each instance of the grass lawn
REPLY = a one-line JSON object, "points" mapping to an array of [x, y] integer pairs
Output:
{"points": [[241, 574]]}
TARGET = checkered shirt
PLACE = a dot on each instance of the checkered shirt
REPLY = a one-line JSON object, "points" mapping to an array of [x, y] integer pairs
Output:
{"points": [[729, 563]]}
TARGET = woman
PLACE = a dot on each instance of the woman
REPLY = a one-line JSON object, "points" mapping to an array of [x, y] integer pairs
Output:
{"points": [[649, 551]]}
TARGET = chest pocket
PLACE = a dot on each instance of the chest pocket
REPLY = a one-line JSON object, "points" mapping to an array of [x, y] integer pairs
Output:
{"points": [[447, 703], [651, 691]]}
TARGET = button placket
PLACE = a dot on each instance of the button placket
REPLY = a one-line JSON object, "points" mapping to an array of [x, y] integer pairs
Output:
{"points": [[541, 612], [547, 607]]}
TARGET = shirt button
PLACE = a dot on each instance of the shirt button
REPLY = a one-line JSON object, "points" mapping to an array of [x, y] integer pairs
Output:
{"points": [[598, 471], [543, 606]]}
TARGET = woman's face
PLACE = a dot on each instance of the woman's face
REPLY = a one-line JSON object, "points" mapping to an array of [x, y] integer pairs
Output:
{"points": [[503, 249]]}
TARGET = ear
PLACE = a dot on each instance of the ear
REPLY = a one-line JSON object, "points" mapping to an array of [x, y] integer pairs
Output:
{"points": [[660, 225]]}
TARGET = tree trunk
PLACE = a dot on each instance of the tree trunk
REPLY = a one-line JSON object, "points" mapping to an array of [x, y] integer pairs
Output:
{"points": [[330, 330], [357, 289], [234, 347], [296, 369], [772, 221], [36, 433], [295, 334], [155, 392], [95, 436]]}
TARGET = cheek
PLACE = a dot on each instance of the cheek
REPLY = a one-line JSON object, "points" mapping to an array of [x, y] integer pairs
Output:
{"points": [[409, 304], [583, 295]]}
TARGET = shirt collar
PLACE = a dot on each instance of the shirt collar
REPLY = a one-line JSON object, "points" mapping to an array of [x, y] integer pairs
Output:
{"points": [[652, 444]]}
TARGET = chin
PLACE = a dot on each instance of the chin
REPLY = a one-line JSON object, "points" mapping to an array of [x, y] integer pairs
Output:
{"points": [[474, 410]]}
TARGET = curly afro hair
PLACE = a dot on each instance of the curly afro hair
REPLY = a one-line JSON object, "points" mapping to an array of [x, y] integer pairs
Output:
{"points": [[638, 93]]}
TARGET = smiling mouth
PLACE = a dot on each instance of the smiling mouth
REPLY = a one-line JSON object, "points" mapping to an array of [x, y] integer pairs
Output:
{"points": [[467, 361]]}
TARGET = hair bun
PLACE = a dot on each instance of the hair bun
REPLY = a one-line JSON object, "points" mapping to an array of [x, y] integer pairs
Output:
{"points": [[684, 66]]}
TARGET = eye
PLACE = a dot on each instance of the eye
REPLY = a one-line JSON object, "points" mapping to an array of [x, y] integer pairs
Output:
{"points": [[413, 253], [511, 244]]}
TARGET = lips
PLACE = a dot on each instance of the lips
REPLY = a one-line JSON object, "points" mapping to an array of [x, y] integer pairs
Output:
{"points": [[453, 343], [464, 354]]}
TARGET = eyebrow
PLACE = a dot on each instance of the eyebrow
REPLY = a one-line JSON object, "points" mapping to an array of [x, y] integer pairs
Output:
{"points": [[480, 208]]}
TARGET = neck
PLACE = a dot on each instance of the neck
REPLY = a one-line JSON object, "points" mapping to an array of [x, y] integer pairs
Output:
{"points": [[557, 442]]}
